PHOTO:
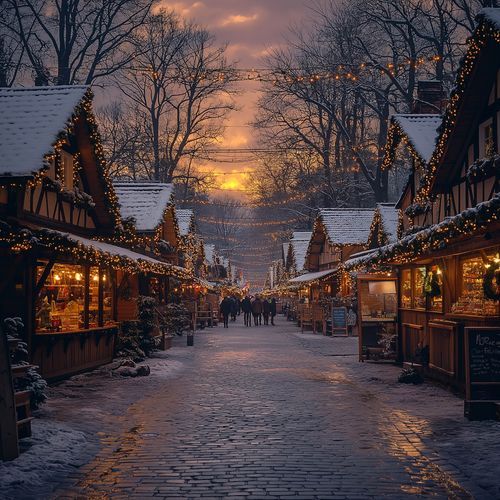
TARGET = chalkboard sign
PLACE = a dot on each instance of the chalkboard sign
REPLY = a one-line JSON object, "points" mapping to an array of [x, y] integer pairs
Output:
{"points": [[482, 346], [339, 320]]}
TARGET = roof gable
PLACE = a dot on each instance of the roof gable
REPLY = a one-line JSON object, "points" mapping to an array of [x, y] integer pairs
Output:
{"points": [[31, 122], [475, 75], [185, 220], [299, 245], [347, 226], [145, 202]]}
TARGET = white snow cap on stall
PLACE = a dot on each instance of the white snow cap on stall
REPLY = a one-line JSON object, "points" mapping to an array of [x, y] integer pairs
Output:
{"points": [[30, 121], [390, 220], [300, 243], [421, 130], [307, 278], [209, 253], [185, 218], [347, 226], [491, 15], [145, 202]]}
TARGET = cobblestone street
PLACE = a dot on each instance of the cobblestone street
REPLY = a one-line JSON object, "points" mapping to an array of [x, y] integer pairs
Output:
{"points": [[265, 413]]}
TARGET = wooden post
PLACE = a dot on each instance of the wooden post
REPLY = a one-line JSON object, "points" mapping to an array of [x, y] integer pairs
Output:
{"points": [[9, 448]]}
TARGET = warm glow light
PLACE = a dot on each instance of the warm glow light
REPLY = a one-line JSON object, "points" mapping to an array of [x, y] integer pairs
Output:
{"points": [[95, 277], [78, 276], [439, 271], [57, 277]]}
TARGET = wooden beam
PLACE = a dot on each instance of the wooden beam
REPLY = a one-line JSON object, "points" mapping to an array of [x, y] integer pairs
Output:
{"points": [[43, 277]]}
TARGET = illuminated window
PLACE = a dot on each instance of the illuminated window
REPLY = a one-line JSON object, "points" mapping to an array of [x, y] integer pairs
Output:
{"points": [[67, 168], [486, 139]]}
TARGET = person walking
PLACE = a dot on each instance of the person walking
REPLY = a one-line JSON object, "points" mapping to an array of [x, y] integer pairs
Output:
{"points": [[266, 309], [234, 308], [246, 305], [273, 310], [225, 309], [257, 311]]}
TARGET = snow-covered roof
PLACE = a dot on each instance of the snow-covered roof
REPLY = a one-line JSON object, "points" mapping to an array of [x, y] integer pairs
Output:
{"points": [[114, 250], [185, 218], [145, 202], [492, 15], [421, 130], [30, 121], [389, 215], [300, 243], [347, 226], [209, 252], [307, 278]]}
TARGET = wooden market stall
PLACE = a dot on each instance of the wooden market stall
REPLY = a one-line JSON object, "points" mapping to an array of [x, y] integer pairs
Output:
{"points": [[56, 201], [448, 256]]}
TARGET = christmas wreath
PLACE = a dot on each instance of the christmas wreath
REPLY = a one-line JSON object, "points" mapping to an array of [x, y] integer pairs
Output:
{"points": [[491, 282]]}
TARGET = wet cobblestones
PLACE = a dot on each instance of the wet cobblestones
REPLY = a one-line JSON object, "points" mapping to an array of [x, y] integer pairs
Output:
{"points": [[258, 415]]}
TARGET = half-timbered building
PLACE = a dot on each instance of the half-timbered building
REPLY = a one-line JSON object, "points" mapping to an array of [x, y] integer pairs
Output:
{"points": [[59, 216]]}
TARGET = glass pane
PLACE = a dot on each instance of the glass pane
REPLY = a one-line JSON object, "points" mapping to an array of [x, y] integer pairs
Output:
{"points": [[406, 288], [418, 288], [472, 299], [434, 288], [60, 304], [378, 300], [107, 294]]}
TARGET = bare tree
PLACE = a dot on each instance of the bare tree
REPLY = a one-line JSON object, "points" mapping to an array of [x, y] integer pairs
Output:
{"points": [[79, 41], [182, 83]]}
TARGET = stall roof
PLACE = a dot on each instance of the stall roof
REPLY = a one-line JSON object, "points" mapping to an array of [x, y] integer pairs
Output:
{"points": [[389, 215], [185, 218], [347, 226], [421, 131], [307, 278], [300, 243], [145, 202], [30, 123]]}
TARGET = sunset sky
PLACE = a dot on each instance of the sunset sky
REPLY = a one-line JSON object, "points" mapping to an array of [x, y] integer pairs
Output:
{"points": [[250, 28]]}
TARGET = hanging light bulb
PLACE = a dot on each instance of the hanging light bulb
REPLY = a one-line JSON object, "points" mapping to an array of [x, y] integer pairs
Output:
{"points": [[78, 276]]}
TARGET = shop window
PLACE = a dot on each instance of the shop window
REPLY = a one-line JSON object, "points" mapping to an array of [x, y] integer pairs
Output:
{"points": [[419, 296], [406, 289], [378, 300], [61, 302], [433, 288], [472, 299], [67, 168], [60, 306], [486, 139]]}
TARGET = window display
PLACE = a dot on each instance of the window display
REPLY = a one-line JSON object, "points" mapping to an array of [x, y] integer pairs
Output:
{"points": [[433, 287], [406, 289], [60, 304], [472, 299], [378, 300], [419, 297]]}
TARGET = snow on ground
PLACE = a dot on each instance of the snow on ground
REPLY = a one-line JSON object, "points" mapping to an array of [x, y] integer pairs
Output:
{"points": [[468, 449], [68, 427]]}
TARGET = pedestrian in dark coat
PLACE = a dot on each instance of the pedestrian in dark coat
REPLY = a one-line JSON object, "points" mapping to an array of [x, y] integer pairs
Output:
{"points": [[266, 310], [273, 310], [225, 309], [234, 308], [257, 311], [246, 305]]}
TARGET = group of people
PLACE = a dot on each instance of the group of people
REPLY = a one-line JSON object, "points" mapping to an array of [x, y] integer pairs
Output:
{"points": [[262, 310]]}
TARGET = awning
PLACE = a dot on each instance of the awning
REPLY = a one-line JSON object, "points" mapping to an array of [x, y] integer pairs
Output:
{"points": [[98, 253], [143, 262], [309, 277]]}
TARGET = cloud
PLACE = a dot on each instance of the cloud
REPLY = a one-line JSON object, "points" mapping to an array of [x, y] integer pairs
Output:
{"points": [[180, 7], [239, 19]]}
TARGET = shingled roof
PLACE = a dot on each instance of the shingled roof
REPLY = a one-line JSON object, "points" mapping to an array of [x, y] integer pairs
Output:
{"points": [[31, 119], [185, 218], [389, 216], [347, 226], [299, 244], [421, 132], [145, 202]]}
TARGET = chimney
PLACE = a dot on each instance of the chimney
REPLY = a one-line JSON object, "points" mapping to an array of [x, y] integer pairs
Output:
{"points": [[430, 97]]}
